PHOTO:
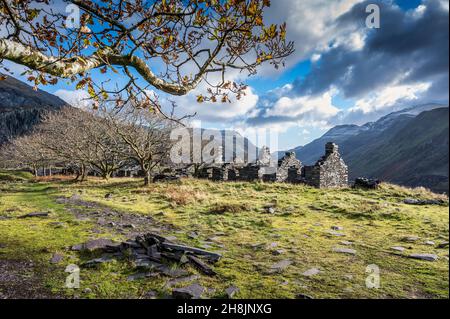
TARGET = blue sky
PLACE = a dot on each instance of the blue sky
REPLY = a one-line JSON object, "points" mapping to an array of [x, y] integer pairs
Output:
{"points": [[341, 73]]}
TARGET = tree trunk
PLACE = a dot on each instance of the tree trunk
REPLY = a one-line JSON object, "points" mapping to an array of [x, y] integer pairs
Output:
{"points": [[106, 175], [147, 178], [83, 172]]}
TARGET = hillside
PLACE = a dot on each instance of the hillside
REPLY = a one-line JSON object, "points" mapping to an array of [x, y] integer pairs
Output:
{"points": [[315, 243], [21, 107], [408, 147], [413, 154]]}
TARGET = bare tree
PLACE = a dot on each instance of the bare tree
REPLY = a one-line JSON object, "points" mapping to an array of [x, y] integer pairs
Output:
{"points": [[147, 135], [193, 41], [83, 139], [26, 152]]}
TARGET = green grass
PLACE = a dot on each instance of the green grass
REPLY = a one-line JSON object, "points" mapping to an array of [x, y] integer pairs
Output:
{"points": [[373, 220], [15, 176]]}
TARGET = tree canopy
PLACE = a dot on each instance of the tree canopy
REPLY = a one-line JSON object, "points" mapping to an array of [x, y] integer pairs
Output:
{"points": [[169, 45]]}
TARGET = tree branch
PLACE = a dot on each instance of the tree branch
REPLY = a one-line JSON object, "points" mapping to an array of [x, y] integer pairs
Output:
{"points": [[68, 67]]}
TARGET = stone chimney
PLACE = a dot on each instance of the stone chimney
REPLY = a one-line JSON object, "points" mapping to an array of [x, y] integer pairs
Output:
{"points": [[290, 154], [331, 148]]}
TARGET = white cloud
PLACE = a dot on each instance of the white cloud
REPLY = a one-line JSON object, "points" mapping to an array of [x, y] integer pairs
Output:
{"points": [[311, 24], [77, 98], [307, 108], [389, 96], [217, 112], [315, 57]]}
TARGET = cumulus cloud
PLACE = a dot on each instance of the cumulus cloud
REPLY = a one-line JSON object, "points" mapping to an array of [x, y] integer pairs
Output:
{"points": [[76, 98], [217, 112], [288, 111], [407, 49], [405, 62], [311, 23]]}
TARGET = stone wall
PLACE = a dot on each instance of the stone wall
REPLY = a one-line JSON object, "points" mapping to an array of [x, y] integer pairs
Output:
{"points": [[264, 158], [289, 168], [250, 173], [225, 172]]}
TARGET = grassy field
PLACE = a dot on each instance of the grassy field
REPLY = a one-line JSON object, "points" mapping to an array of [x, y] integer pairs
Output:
{"points": [[233, 219]]}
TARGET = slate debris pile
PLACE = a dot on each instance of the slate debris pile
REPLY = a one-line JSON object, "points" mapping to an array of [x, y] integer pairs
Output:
{"points": [[366, 183], [154, 252]]}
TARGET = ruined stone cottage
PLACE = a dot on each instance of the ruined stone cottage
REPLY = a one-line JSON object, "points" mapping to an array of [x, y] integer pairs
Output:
{"points": [[289, 169], [329, 172]]}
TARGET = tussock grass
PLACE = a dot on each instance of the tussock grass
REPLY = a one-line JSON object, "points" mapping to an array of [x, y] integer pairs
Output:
{"points": [[233, 208], [183, 195]]}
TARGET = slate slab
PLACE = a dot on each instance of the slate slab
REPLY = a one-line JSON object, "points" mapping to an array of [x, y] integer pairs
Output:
{"points": [[231, 291], [311, 272], [281, 265], [193, 291], [426, 257], [344, 251]]}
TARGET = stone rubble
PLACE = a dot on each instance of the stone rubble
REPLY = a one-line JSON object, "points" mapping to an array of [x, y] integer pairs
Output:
{"points": [[152, 252], [366, 183]]}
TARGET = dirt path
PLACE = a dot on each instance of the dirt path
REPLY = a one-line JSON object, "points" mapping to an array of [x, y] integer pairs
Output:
{"points": [[104, 218], [19, 280]]}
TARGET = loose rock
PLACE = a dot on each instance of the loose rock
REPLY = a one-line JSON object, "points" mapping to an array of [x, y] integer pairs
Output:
{"points": [[36, 214], [412, 201], [97, 261], [231, 291], [410, 239], [193, 291], [280, 266], [398, 248], [56, 258], [278, 252], [426, 257], [311, 272], [344, 251], [443, 245]]}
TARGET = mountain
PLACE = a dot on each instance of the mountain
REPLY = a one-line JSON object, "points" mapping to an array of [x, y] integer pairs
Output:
{"points": [[311, 152], [408, 147], [414, 153], [233, 145], [21, 107]]}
